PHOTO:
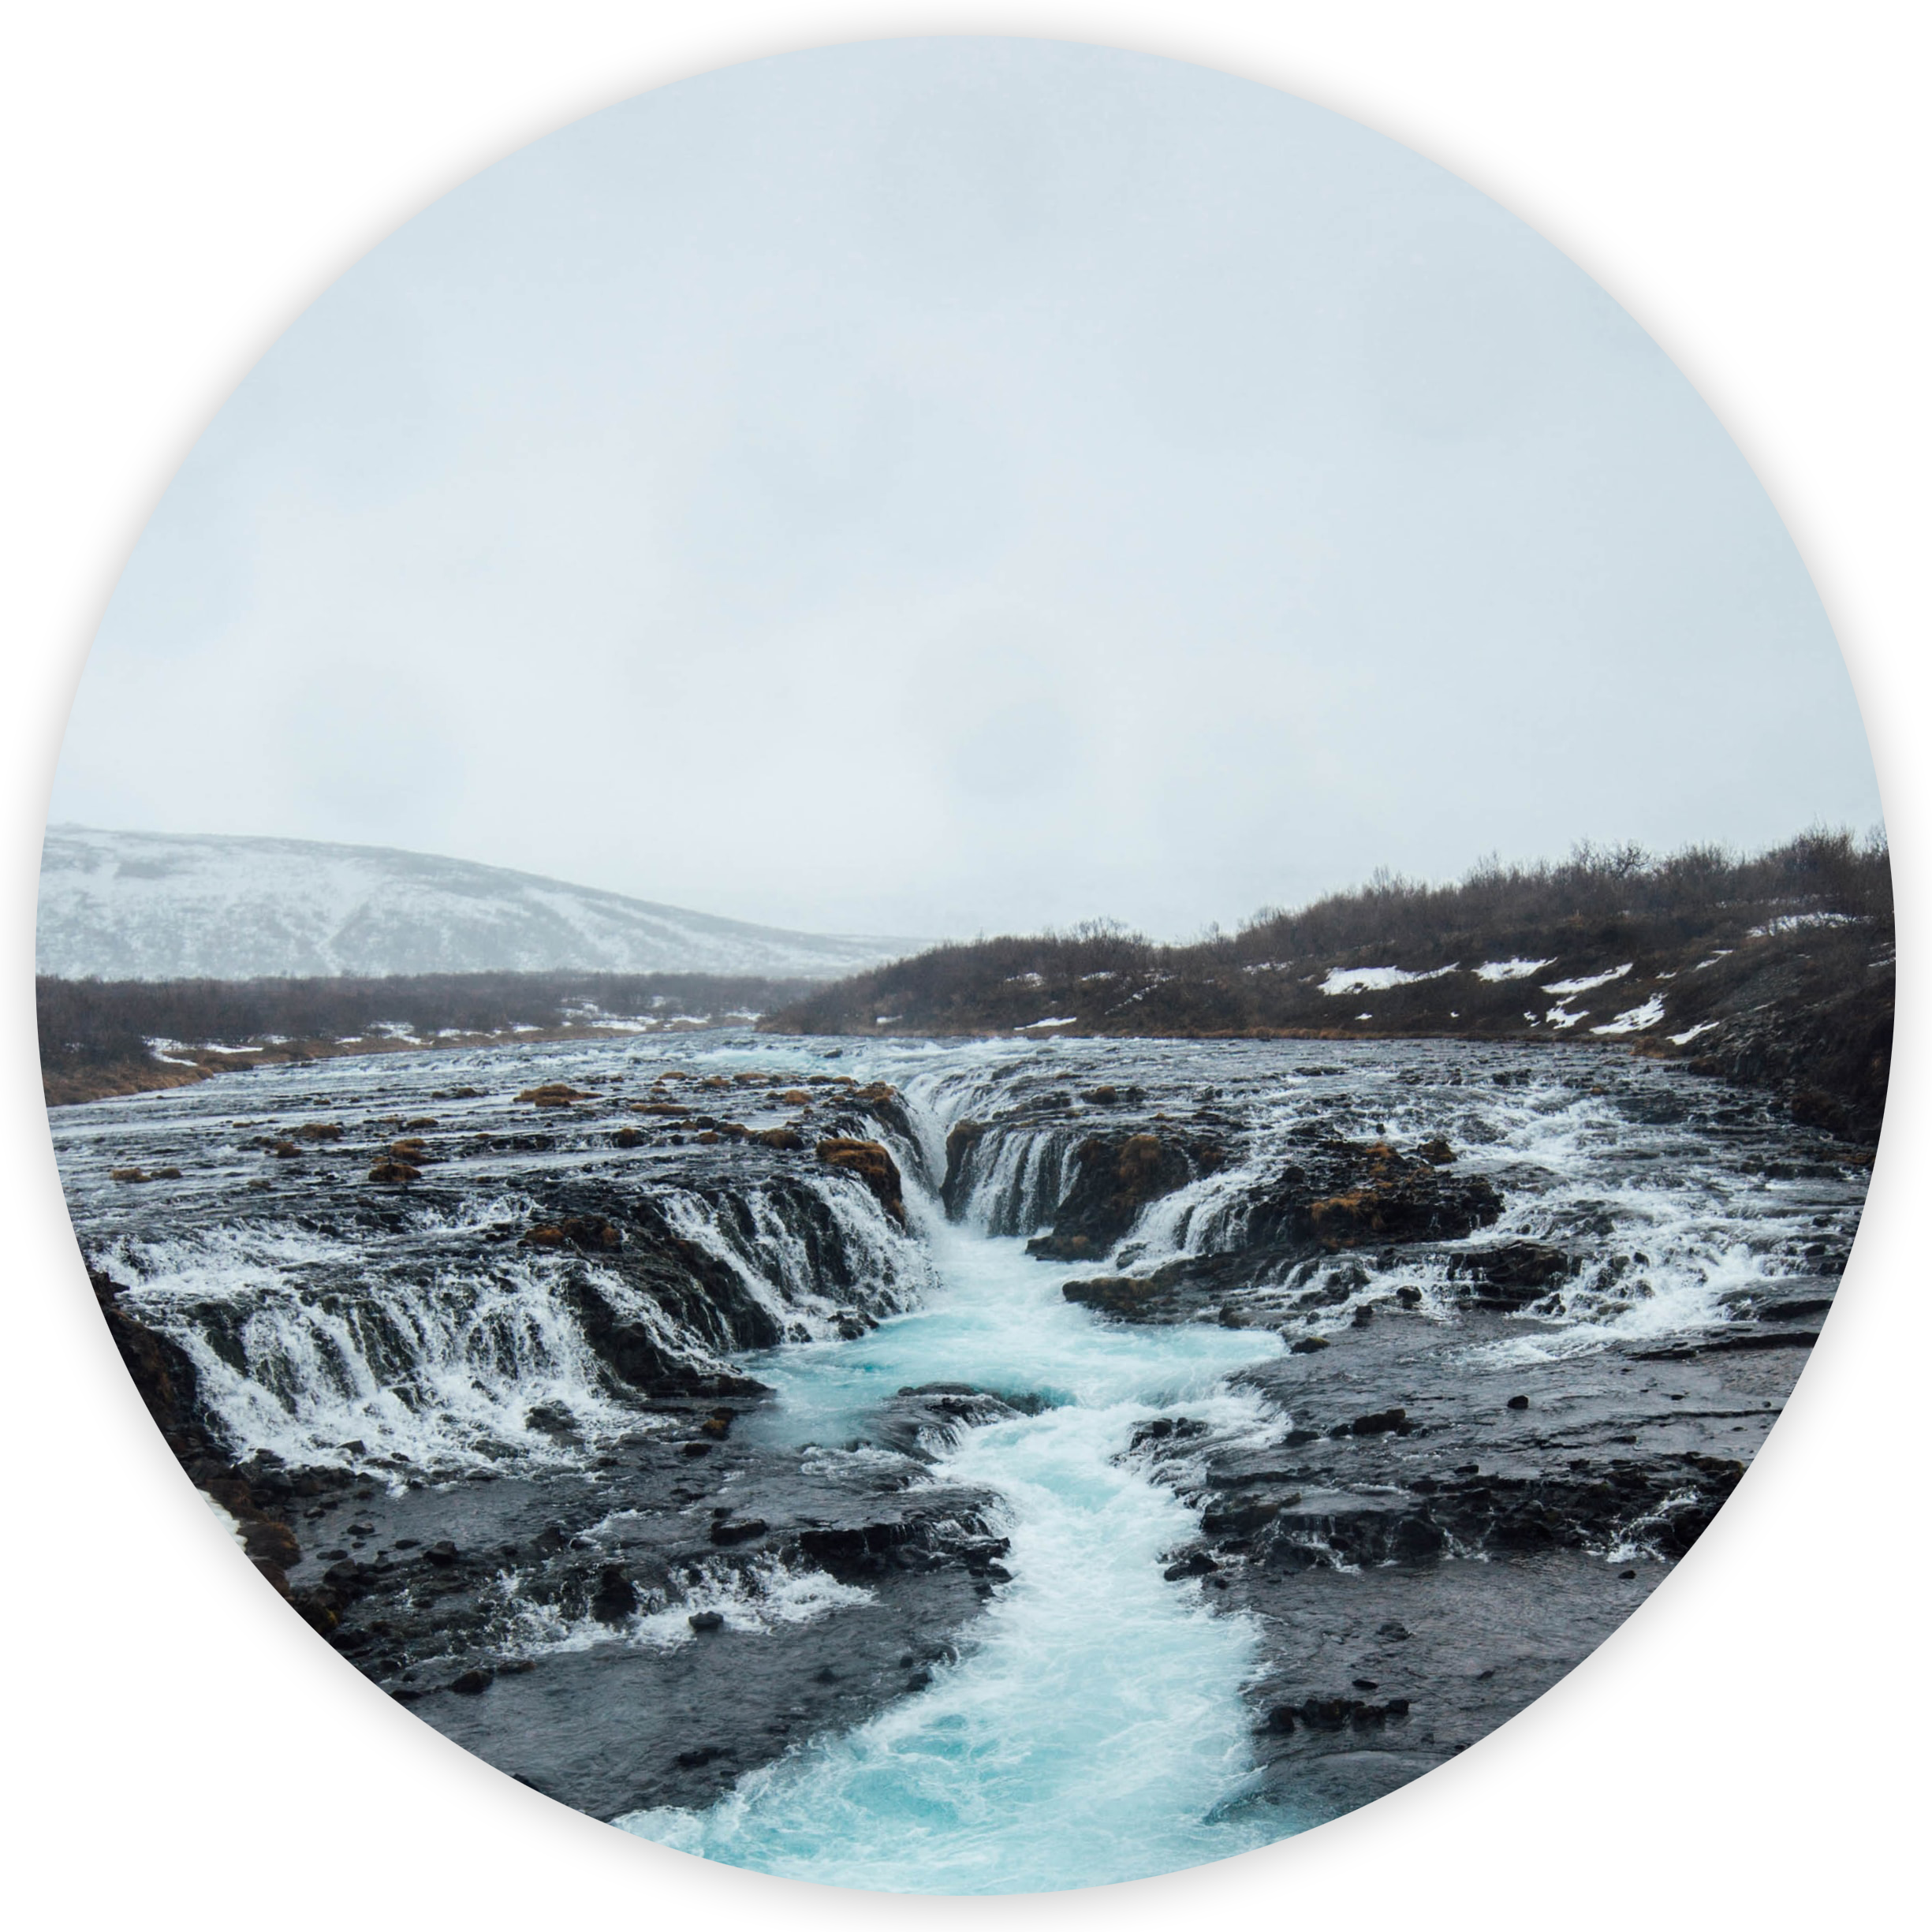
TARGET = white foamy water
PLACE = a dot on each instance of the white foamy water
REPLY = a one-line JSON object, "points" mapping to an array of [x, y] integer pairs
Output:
{"points": [[1095, 1730]]}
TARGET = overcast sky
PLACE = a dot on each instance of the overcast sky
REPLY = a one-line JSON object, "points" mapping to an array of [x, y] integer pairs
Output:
{"points": [[954, 485]]}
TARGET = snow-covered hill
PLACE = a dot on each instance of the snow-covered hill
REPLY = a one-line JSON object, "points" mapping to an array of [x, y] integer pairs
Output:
{"points": [[142, 905]]}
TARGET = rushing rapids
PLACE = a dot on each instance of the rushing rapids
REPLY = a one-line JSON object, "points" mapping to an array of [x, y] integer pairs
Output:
{"points": [[968, 1468]]}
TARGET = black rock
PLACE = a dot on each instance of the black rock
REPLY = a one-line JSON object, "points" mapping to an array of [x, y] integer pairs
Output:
{"points": [[1518, 1401], [705, 1619], [1386, 1422], [1197, 1563], [471, 1682], [616, 1596]]}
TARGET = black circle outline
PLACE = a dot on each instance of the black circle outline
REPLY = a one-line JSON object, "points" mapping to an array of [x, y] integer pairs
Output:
{"points": [[435, 1761]]}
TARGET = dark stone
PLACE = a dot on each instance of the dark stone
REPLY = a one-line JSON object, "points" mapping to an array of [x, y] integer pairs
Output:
{"points": [[471, 1682], [869, 1161], [1518, 1401], [1385, 1422], [702, 1621], [1342, 1194], [1241, 1518], [1115, 1176], [616, 1596], [1510, 1274]]}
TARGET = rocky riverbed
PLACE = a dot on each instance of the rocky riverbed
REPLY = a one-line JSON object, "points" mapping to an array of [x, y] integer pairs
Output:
{"points": [[825, 1458]]}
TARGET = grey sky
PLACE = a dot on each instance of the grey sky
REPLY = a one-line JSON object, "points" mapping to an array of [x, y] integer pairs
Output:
{"points": [[947, 486]]}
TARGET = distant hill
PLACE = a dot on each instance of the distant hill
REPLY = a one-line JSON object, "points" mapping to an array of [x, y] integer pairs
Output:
{"points": [[1778, 971], [144, 905]]}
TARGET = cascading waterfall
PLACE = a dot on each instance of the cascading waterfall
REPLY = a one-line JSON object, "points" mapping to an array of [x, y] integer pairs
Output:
{"points": [[1094, 1730], [563, 1293]]}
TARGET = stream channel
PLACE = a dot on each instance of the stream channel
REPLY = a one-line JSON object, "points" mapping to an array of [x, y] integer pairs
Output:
{"points": [[1001, 1466]]}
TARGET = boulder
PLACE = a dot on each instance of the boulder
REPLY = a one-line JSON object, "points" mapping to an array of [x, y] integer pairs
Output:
{"points": [[867, 1161], [1343, 1194], [1115, 1176], [1509, 1274]]}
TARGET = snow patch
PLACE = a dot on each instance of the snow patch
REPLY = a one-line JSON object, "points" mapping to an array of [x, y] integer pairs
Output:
{"points": [[1590, 983], [1636, 1019], [1496, 970], [1375, 978], [1801, 921]]}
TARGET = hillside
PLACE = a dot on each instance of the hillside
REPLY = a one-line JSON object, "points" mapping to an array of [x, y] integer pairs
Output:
{"points": [[1776, 970], [103, 1037], [141, 906]]}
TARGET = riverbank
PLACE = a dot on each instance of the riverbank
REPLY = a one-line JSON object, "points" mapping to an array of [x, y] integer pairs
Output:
{"points": [[770, 1434]]}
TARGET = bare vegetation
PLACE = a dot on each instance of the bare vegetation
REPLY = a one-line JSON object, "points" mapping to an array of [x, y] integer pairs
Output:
{"points": [[97, 1036], [1782, 959]]}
